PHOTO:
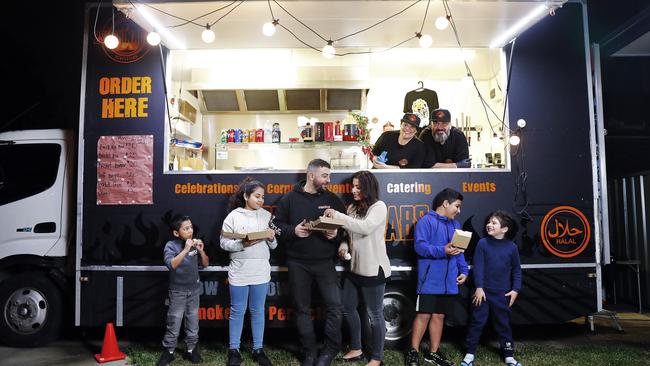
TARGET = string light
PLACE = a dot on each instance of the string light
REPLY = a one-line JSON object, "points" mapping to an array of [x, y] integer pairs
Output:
{"points": [[514, 140], [208, 35], [111, 42], [329, 51], [424, 40], [269, 28], [153, 38], [442, 23]]}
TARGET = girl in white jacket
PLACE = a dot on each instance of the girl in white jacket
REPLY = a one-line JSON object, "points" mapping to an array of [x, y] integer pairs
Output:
{"points": [[250, 271]]}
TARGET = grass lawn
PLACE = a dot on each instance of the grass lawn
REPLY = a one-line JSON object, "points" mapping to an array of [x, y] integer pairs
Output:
{"points": [[528, 354]]}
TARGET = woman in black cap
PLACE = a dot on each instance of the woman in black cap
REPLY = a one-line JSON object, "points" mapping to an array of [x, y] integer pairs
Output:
{"points": [[400, 149]]}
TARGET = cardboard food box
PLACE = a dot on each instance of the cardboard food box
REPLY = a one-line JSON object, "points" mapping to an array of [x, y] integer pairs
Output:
{"points": [[461, 239], [325, 223], [266, 234]]}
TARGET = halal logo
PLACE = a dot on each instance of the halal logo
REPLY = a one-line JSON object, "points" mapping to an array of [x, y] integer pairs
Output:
{"points": [[565, 231], [133, 41]]}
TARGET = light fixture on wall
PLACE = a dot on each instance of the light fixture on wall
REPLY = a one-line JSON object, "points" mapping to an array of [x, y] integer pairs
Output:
{"points": [[208, 35], [329, 51]]}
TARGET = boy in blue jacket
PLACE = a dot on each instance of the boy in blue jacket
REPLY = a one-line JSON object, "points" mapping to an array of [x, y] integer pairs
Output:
{"points": [[497, 276], [441, 268]]}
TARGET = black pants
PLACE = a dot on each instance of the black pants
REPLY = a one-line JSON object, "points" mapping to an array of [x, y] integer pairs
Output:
{"points": [[301, 276]]}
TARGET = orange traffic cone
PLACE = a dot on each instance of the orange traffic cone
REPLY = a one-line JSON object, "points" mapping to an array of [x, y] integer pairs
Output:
{"points": [[110, 349]]}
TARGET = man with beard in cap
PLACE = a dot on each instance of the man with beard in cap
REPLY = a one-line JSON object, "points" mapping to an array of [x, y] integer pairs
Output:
{"points": [[445, 145]]}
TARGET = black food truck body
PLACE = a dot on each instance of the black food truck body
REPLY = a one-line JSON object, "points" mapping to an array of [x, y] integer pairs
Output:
{"points": [[128, 190]]}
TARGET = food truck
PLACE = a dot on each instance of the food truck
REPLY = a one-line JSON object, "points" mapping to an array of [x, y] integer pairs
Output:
{"points": [[173, 128]]}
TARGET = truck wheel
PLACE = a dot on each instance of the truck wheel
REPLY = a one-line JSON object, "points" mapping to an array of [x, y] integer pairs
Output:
{"points": [[32, 310], [399, 312]]}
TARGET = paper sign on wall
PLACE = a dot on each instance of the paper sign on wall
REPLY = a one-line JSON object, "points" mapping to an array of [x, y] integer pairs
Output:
{"points": [[125, 170]]}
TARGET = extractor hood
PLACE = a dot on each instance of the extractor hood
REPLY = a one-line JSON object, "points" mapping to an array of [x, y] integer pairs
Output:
{"points": [[281, 100]]}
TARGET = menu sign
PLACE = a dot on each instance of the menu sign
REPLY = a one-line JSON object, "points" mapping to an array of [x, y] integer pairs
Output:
{"points": [[125, 170]]}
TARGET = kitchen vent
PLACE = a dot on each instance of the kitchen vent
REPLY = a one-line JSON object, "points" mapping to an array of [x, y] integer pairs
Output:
{"points": [[262, 100], [344, 99], [220, 100], [282, 100], [303, 99]]}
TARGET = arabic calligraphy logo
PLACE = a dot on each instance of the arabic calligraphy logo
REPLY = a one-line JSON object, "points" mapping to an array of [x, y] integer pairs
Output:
{"points": [[565, 231]]}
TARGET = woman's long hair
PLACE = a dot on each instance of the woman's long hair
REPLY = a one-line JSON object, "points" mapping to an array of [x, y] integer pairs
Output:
{"points": [[246, 187], [369, 190]]}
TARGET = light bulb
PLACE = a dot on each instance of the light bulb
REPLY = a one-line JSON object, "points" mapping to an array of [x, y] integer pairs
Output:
{"points": [[329, 51], [153, 38], [111, 42], [268, 29], [442, 23], [425, 41], [208, 35], [514, 140], [521, 123], [467, 80]]}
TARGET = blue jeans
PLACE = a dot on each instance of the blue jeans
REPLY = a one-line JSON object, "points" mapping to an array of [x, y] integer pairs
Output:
{"points": [[373, 300], [182, 304], [255, 297]]}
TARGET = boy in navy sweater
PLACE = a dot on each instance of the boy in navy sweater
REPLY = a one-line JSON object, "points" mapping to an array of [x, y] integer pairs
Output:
{"points": [[497, 276]]}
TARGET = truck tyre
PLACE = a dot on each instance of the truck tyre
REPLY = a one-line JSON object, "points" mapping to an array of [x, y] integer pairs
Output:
{"points": [[399, 312], [32, 310]]}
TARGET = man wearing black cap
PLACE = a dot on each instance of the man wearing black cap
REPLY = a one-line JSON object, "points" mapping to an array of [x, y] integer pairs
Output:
{"points": [[400, 149], [445, 145]]}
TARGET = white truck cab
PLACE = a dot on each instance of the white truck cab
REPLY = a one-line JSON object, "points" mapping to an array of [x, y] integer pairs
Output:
{"points": [[36, 180]]}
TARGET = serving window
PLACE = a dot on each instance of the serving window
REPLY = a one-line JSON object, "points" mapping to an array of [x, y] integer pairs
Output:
{"points": [[264, 114]]}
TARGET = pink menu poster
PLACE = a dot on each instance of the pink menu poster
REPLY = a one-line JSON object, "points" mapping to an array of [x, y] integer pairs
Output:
{"points": [[125, 170]]}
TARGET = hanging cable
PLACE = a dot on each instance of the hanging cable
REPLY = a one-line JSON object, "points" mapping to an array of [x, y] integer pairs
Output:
{"points": [[95, 24], [425, 16], [303, 24], [382, 21]]}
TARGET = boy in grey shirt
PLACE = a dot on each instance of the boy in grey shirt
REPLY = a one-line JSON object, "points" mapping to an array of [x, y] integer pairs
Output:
{"points": [[182, 257]]}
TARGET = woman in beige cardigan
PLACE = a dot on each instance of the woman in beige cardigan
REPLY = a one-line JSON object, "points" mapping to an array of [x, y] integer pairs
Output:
{"points": [[369, 264]]}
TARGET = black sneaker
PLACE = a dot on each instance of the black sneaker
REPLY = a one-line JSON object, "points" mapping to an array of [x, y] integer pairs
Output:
{"points": [[437, 358], [260, 358], [165, 358], [308, 360], [194, 356], [234, 358], [412, 358], [325, 359]]}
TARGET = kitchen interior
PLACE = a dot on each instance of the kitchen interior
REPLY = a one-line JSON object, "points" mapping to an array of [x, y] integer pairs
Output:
{"points": [[248, 101], [265, 109]]}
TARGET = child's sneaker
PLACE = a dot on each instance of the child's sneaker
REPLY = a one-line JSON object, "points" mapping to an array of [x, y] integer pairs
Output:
{"points": [[437, 358], [412, 358], [260, 358], [234, 358], [194, 356], [165, 358]]}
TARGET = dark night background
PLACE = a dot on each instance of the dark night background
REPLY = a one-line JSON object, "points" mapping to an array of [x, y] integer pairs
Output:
{"points": [[43, 54]]}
